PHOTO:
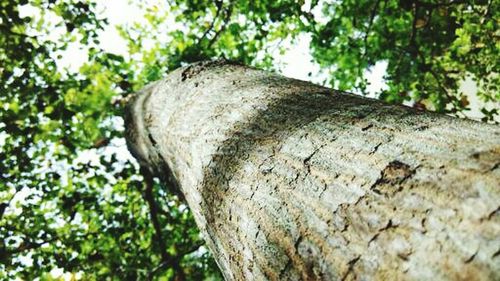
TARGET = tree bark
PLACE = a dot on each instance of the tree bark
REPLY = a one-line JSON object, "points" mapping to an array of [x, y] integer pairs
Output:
{"points": [[288, 180]]}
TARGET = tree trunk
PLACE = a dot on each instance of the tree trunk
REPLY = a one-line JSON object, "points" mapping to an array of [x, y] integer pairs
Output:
{"points": [[292, 181]]}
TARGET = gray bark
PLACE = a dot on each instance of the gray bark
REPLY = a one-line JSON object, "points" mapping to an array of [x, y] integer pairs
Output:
{"points": [[292, 181]]}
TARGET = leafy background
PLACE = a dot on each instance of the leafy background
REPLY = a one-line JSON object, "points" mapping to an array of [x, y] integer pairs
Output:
{"points": [[73, 203]]}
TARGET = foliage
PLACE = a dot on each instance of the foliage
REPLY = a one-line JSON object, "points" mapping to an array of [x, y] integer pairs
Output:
{"points": [[430, 47], [69, 200], [72, 198]]}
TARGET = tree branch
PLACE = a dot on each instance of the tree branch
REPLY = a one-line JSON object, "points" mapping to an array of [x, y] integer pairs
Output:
{"points": [[412, 45], [9, 31], [437, 5], [25, 246], [438, 81], [370, 23], [166, 258], [177, 258], [486, 12], [4, 205], [229, 11], [219, 5], [415, 50], [153, 212], [192, 249]]}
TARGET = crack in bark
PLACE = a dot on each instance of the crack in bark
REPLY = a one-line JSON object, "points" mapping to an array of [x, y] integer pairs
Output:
{"points": [[286, 268], [422, 223], [496, 254], [153, 142], [350, 268], [491, 214], [308, 158], [394, 174], [471, 258], [375, 148], [494, 167], [366, 127], [385, 228]]}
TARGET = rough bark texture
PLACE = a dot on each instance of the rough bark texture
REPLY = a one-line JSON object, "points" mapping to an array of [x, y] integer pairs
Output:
{"points": [[288, 180]]}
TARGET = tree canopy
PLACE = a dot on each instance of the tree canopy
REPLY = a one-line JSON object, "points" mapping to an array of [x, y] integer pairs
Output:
{"points": [[73, 200]]}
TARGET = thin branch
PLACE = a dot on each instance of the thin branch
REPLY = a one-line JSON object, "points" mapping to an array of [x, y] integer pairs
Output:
{"points": [[370, 24], [9, 31], [226, 19], [153, 272], [4, 206], [166, 258], [429, 19], [219, 5], [415, 50], [153, 212], [192, 249], [486, 12], [214, 39], [412, 45], [438, 81], [411, 42], [446, 4], [176, 266], [25, 246], [176, 259]]}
